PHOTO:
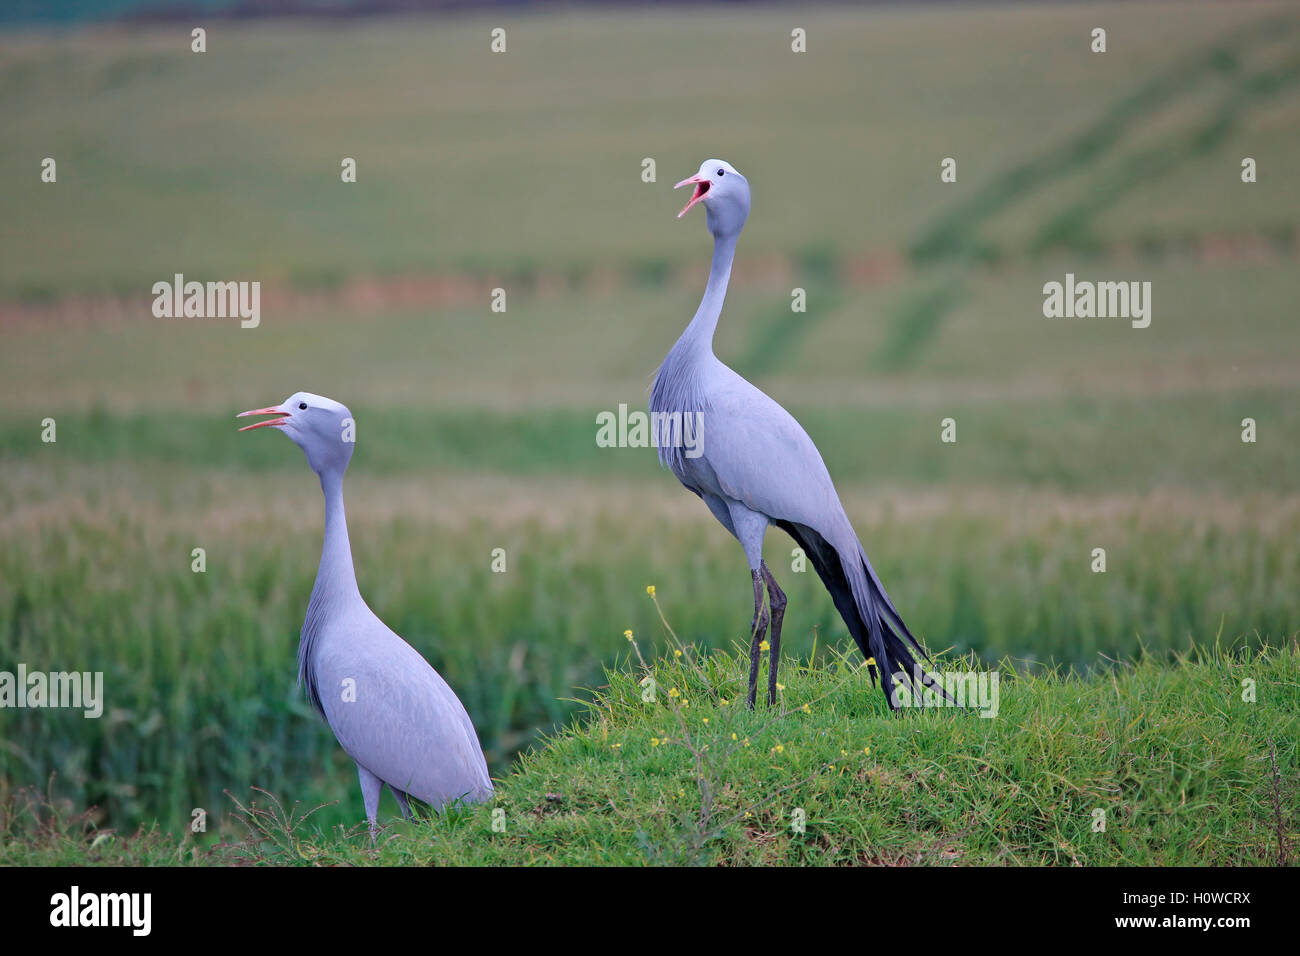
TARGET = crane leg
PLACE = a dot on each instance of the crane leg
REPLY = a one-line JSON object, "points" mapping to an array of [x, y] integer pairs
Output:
{"points": [[757, 628], [776, 599], [371, 788]]}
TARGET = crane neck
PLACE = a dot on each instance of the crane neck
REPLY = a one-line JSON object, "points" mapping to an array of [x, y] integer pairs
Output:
{"points": [[698, 337], [337, 579]]}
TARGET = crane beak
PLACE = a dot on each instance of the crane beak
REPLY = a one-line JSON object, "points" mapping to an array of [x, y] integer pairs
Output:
{"points": [[283, 417], [701, 190]]}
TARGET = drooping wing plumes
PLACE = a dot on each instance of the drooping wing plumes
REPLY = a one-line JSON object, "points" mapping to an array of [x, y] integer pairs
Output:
{"points": [[873, 621]]}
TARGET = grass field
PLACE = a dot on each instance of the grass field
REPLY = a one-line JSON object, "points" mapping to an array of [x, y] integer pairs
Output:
{"points": [[1149, 766], [477, 429]]}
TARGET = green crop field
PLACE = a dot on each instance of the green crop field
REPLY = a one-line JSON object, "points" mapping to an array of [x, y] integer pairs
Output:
{"points": [[477, 428]]}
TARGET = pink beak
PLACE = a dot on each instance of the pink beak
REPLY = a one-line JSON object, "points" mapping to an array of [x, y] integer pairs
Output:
{"points": [[283, 415], [701, 189]]}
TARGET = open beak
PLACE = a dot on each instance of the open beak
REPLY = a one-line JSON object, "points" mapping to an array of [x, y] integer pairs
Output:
{"points": [[701, 190], [283, 416]]}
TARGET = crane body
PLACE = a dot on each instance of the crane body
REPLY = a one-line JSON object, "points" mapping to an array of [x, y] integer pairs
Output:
{"points": [[390, 711]]}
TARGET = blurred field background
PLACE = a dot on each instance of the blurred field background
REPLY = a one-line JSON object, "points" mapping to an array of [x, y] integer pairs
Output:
{"points": [[477, 429]]}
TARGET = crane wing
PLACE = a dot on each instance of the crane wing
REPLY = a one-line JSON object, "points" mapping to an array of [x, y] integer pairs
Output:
{"points": [[757, 454], [764, 459], [396, 716]]}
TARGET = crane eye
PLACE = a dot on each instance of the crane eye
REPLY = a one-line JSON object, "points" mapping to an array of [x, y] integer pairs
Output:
{"points": [[720, 172], [302, 405]]}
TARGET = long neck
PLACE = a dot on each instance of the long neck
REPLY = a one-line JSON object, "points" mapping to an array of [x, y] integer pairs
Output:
{"points": [[336, 579], [698, 337]]}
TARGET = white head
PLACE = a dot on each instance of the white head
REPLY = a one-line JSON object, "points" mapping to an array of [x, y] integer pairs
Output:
{"points": [[725, 194], [320, 426]]}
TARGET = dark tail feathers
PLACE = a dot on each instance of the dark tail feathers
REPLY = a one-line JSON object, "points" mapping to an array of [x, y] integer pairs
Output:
{"points": [[870, 615]]}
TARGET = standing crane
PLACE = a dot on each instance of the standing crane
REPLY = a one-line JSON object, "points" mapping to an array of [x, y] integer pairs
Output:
{"points": [[755, 466], [390, 711]]}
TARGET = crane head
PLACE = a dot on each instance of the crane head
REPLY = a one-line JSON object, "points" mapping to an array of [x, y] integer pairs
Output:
{"points": [[724, 193], [321, 427]]}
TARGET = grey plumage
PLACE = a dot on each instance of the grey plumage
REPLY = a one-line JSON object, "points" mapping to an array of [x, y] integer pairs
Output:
{"points": [[757, 466], [390, 711]]}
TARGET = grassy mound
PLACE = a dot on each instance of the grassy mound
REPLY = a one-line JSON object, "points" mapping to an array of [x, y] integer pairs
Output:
{"points": [[1188, 764]]}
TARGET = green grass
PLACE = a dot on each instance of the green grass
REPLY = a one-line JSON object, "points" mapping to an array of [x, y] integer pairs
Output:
{"points": [[1083, 444], [200, 668], [1178, 759]]}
